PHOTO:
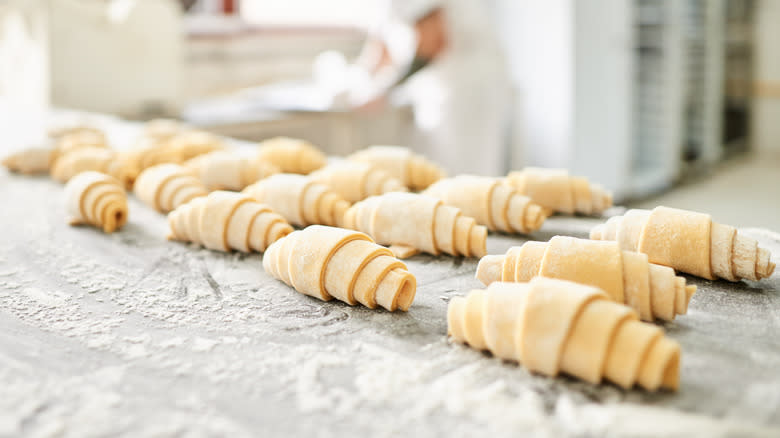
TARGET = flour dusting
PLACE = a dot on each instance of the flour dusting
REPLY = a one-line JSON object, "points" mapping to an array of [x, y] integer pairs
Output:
{"points": [[133, 335]]}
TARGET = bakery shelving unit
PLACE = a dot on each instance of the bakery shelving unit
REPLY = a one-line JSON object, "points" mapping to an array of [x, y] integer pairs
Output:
{"points": [[679, 59], [738, 75], [635, 97]]}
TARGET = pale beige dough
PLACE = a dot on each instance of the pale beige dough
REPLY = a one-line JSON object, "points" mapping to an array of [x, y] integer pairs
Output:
{"points": [[191, 143], [327, 262], [689, 242], [493, 204], [96, 199], [560, 192], [165, 187], [225, 221], [90, 158], [96, 159], [58, 132], [41, 159], [300, 200], [291, 155], [78, 140], [413, 170], [417, 221], [174, 147], [31, 160], [163, 129], [226, 170], [356, 181], [552, 326], [652, 290]]}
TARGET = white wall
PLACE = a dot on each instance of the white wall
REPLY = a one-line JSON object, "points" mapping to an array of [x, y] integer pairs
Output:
{"points": [[537, 37], [571, 62], [766, 103], [24, 68], [107, 59], [601, 146]]}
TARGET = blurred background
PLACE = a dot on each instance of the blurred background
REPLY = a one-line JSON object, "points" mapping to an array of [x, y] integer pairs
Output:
{"points": [[639, 95]]}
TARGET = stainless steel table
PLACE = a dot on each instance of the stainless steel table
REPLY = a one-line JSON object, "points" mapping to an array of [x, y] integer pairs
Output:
{"points": [[129, 334]]}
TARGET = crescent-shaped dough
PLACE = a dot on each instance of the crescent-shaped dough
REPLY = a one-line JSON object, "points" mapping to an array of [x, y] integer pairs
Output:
{"points": [[165, 187], [493, 204], [326, 263], [41, 159], [291, 155], [58, 132], [556, 190], [224, 221], [189, 144], [72, 163], [31, 160], [689, 242], [553, 326], [171, 147], [356, 181], [96, 199], [627, 277], [163, 129], [418, 221], [413, 170], [300, 200], [225, 170]]}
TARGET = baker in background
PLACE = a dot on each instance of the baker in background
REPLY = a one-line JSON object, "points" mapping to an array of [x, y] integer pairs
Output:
{"points": [[442, 58]]}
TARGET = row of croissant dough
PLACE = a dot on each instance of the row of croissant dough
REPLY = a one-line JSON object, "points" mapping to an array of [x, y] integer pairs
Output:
{"points": [[577, 306]]}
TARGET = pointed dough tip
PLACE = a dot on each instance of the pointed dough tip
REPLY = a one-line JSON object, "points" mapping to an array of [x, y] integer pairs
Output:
{"points": [[689, 291], [671, 377], [478, 241], [535, 217], [771, 269], [403, 251], [406, 295], [489, 269]]}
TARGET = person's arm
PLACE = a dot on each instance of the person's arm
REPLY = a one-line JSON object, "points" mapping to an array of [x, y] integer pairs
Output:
{"points": [[391, 67]]}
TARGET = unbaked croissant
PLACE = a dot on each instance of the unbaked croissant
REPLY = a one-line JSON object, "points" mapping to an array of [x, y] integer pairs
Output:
{"points": [[326, 263], [689, 242], [627, 277], [493, 204], [77, 161], [165, 187], [552, 326], [189, 144], [413, 170], [30, 161], [410, 221], [97, 159], [78, 140], [291, 155], [163, 129], [300, 200], [57, 132], [41, 159], [556, 190], [356, 181], [177, 148], [224, 170], [227, 220], [96, 199], [149, 152]]}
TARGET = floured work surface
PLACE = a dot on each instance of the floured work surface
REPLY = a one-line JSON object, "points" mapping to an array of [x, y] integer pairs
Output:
{"points": [[129, 333]]}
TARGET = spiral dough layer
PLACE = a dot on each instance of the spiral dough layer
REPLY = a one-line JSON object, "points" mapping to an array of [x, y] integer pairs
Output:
{"points": [[552, 326]]}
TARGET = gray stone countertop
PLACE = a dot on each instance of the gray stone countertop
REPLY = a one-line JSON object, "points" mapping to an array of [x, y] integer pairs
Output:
{"points": [[131, 335]]}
